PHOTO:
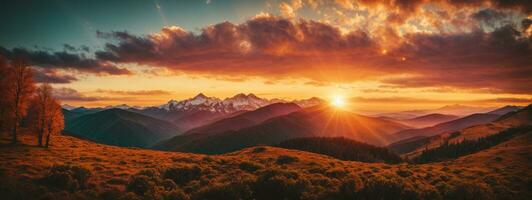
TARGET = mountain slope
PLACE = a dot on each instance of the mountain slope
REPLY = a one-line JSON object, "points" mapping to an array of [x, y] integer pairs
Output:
{"points": [[428, 120], [314, 121], [500, 172], [342, 148], [121, 128], [247, 119], [454, 125], [414, 146], [505, 109]]}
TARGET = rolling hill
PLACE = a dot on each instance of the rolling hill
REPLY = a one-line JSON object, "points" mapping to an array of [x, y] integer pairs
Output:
{"points": [[450, 126], [414, 146], [246, 119], [342, 148], [78, 169], [428, 120], [319, 121], [121, 128]]}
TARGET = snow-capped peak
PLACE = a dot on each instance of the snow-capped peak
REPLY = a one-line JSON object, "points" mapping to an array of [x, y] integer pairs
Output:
{"points": [[68, 107], [235, 103]]}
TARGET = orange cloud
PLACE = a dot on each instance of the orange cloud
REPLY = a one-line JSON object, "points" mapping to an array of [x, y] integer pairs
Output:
{"points": [[281, 48]]}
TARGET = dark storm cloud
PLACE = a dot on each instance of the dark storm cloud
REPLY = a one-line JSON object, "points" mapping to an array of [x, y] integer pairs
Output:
{"points": [[42, 75], [64, 60]]}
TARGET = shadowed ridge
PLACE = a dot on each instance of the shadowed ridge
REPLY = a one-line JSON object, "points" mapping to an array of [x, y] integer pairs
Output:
{"points": [[247, 119], [122, 128], [322, 121]]}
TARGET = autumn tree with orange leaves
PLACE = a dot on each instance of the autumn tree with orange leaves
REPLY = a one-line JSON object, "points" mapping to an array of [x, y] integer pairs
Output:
{"points": [[20, 86], [46, 117]]}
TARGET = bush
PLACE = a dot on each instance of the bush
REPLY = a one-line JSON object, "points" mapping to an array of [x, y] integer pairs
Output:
{"points": [[279, 184], [228, 191], [259, 150], [183, 174], [250, 166], [403, 173], [140, 184], [115, 194], [468, 190], [284, 159], [381, 188], [175, 194], [169, 184], [66, 177]]}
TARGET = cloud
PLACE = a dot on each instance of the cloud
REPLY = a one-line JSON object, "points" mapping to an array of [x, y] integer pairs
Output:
{"points": [[500, 60], [64, 60], [134, 92], [42, 75], [275, 47], [410, 100], [69, 94]]}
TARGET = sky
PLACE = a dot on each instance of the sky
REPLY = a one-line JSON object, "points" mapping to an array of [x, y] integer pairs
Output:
{"points": [[379, 55]]}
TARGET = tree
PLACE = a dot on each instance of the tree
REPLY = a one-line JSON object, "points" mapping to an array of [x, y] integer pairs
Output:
{"points": [[55, 123], [41, 106], [20, 90], [5, 76]]}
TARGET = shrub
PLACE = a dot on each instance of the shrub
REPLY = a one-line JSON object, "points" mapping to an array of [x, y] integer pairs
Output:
{"points": [[140, 184], [349, 188], [284, 159], [468, 190], [259, 150], [336, 173], [249, 166], [175, 194], [227, 191], [403, 173], [182, 174], [66, 177], [152, 173], [381, 188], [279, 184], [114, 194]]}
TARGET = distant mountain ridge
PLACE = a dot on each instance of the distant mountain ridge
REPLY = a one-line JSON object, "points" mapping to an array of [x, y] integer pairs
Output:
{"points": [[428, 120], [450, 126], [247, 119], [321, 121], [200, 110], [510, 119], [455, 109], [121, 128]]}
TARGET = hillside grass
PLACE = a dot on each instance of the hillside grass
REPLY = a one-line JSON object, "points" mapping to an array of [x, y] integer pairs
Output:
{"points": [[76, 169]]}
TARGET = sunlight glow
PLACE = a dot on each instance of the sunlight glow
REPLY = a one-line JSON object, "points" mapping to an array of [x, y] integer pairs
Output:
{"points": [[338, 101]]}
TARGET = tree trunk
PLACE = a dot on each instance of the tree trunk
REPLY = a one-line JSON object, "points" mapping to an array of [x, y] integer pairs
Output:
{"points": [[14, 138], [40, 138], [47, 140]]}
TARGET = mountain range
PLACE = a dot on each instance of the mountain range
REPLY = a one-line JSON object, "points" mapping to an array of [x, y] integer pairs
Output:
{"points": [[497, 120], [455, 109], [425, 120], [211, 125], [321, 121], [121, 128]]}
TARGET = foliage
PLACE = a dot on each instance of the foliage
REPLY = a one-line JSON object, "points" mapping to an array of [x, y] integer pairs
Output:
{"points": [[451, 151], [342, 148], [66, 177], [183, 174]]}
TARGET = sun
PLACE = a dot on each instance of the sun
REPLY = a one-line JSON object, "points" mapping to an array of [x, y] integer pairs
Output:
{"points": [[338, 101]]}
